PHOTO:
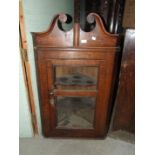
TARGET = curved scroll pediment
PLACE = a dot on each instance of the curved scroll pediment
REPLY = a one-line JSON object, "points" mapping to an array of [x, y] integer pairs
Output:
{"points": [[76, 37]]}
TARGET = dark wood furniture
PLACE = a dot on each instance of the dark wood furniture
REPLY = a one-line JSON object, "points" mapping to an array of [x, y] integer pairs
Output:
{"points": [[111, 12], [124, 111], [129, 15], [76, 75]]}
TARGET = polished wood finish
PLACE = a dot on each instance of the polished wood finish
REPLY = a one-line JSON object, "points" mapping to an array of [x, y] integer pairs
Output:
{"points": [[55, 37], [98, 37], [124, 111], [75, 48]]}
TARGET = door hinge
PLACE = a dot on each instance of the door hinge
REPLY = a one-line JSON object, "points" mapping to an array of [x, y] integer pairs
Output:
{"points": [[25, 55]]}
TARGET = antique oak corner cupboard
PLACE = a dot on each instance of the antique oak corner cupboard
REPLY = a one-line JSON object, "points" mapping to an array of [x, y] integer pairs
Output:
{"points": [[76, 72]]}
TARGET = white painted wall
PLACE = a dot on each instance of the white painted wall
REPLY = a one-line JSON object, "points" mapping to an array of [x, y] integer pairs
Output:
{"points": [[38, 15], [25, 126]]}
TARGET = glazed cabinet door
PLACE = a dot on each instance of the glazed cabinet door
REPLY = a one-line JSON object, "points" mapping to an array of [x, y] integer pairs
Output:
{"points": [[73, 98]]}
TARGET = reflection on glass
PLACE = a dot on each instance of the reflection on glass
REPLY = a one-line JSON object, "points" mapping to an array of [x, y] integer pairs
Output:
{"points": [[67, 77], [75, 112]]}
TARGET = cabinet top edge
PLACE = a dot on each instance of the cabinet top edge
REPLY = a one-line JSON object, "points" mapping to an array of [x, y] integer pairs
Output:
{"points": [[74, 49]]}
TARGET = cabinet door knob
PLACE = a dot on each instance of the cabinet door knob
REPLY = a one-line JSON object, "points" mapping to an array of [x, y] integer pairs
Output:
{"points": [[51, 92]]}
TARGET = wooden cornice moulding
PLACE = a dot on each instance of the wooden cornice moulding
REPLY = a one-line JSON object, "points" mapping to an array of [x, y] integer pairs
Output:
{"points": [[54, 37], [98, 37], [75, 37]]}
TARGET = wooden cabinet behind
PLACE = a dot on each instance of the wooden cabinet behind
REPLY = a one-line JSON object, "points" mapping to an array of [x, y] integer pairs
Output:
{"points": [[124, 112]]}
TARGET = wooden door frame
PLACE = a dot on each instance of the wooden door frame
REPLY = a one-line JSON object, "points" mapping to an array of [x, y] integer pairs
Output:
{"points": [[44, 81], [26, 69]]}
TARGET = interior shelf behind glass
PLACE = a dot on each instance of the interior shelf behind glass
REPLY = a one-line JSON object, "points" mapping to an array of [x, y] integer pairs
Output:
{"points": [[81, 77], [75, 112]]}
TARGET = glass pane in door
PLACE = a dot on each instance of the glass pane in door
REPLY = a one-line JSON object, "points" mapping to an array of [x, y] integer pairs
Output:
{"points": [[73, 77], [75, 112]]}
